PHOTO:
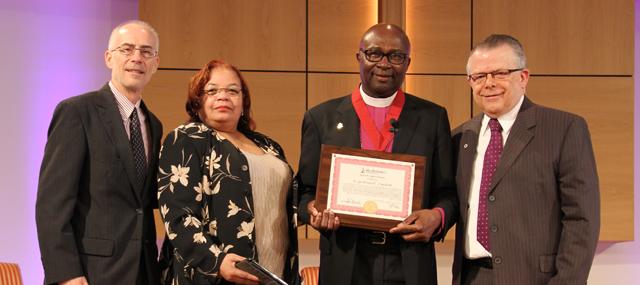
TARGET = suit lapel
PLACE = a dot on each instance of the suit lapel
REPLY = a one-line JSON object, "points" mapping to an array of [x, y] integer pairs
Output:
{"points": [[407, 122], [347, 134], [155, 131], [520, 135], [112, 120], [467, 154]]}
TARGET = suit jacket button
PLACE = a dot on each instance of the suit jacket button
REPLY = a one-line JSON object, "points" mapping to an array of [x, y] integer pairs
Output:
{"points": [[492, 198], [497, 260], [139, 211], [245, 168], [494, 228]]}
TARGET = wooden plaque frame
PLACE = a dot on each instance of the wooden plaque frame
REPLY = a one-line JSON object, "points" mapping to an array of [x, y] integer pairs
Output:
{"points": [[357, 221]]}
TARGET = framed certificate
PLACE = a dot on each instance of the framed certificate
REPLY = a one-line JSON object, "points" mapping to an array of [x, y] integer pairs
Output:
{"points": [[369, 189]]}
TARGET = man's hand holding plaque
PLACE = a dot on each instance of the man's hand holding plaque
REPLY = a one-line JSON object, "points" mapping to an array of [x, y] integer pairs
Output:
{"points": [[325, 220], [419, 226]]}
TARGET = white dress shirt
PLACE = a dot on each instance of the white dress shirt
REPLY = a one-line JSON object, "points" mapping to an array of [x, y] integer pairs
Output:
{"points": [[126, 108], [472, 248]]}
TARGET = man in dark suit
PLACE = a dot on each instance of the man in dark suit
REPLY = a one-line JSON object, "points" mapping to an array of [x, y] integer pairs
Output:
{"points": [[97, 186], [379, 116], [527, 181]]}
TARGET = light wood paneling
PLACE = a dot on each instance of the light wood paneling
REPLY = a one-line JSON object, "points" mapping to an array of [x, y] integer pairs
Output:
{"points": [[440, 34], [450, 91], [325, 86], [254, 35], [335, 29], [607, 105], [569, 37], [166, 96], [278, 104], [564, 37], [392, 12]]}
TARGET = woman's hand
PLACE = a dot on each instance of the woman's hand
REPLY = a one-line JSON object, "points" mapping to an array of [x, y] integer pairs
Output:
{"points": [[229, 272]]}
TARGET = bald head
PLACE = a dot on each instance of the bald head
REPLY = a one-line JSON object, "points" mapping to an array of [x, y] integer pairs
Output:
{"points": [[388, 31], [143, 26]]}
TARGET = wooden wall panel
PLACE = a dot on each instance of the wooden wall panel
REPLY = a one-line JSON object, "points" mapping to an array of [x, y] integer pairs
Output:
{"points": [[564, 37], [335, 29], [440, 34], [569, 37], [166, 96], [277, 110], [449, 91], [254, 35], [392, 12], [325, 86]]}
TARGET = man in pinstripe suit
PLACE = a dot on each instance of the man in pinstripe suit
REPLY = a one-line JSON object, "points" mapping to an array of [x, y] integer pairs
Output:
{"points": [[97, 187], [527, 181]]}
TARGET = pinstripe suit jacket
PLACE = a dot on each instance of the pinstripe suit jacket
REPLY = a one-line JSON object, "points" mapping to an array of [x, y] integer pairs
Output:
{"points": [[544, 205], [94, 218]]}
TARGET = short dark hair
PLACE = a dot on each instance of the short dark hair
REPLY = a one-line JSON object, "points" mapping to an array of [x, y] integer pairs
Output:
{"points": [[196, 93], [496, 40]]}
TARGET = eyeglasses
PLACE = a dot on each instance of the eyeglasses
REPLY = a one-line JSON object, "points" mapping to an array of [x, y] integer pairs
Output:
{"points": [[232, 92], [376, 56], [499, 74], [129, 50]]}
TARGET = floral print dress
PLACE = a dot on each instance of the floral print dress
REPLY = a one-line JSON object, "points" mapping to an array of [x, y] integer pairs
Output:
{"points": [[206, 203]]}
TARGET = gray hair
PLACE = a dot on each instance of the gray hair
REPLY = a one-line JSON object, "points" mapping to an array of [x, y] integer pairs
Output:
{"points": [[142, 24], [497, 40]]}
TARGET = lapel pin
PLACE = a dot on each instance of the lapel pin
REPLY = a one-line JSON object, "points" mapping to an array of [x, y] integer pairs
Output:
{"points": [[466, 145], [339, 126]]}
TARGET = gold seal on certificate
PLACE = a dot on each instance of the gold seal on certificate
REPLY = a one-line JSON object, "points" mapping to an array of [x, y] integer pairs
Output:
{"points": [[369, 189], [370, 207]]}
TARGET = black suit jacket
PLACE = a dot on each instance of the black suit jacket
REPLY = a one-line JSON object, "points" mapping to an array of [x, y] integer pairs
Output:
{"points": [[423, 130], [94, 219], [544, 205]]}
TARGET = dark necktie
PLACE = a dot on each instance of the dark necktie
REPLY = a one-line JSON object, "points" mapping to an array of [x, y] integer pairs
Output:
{"points": [[137, 146], [491, 158]]}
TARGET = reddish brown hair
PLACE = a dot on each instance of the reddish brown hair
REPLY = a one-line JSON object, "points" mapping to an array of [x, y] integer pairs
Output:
{"points": [[196, 93]]}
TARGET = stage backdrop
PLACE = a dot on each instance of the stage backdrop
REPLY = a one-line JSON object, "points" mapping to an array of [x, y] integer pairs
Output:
{"points": [[53, 49]]}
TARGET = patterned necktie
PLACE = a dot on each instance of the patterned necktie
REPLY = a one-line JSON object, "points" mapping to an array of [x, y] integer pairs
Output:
{"points": [[137, 146], [491, 158]]}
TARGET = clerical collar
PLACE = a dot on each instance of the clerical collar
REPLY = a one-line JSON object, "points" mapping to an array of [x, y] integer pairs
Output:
{"points": [[377, 102]]}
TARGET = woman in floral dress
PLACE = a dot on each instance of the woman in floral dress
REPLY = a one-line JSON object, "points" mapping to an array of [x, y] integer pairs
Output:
{"points": [[225, 191]]}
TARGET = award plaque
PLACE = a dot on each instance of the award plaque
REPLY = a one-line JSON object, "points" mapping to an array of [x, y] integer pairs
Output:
{"points": [[369, 189]]}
